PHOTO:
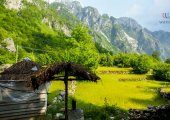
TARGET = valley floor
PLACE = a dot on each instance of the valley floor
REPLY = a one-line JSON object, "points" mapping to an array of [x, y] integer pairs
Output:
{"points": [[118, 87]]}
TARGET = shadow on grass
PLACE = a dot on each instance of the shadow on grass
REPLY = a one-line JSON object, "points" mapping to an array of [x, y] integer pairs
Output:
{"points": [[151, 90], [104, 112], [157, 100], [91, 111]]}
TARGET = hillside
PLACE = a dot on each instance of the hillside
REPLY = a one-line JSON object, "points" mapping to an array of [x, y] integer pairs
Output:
{"points": [[32, 28]]}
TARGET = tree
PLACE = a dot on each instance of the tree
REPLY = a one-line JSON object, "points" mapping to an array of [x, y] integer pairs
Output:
{"points": [[167, 60], [106, 59], [85, 52], [81, 34], [125, 60], [162, 72], [143, 64], [156, 55]]}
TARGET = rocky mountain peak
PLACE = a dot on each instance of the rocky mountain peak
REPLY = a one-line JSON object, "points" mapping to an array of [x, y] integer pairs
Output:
{"points": [[129, 23], [89, 15]]}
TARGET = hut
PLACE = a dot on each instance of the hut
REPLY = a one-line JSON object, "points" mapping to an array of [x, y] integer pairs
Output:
{"points": [[24, 86], [18, 98]]}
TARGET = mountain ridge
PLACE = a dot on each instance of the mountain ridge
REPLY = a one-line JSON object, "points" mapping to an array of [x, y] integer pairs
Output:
{"points": [[124, 33]]}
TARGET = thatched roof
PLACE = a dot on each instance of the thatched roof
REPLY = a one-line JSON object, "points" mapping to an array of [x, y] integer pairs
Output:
{"points": [[24, 67], [22, 70], [46, 74]]}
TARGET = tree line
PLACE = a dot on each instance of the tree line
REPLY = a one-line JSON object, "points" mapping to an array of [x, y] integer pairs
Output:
{"points": [[141, 64]]}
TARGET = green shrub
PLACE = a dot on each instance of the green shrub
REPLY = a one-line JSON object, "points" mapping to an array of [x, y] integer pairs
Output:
{"points": [[162, 72], [143, 64], [125, 60], [167, 60]]}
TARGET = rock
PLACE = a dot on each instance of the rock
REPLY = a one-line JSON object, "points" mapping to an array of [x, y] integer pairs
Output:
{"points": [[152, 113], [151, 107], [59, 116], [10, 44], [60, 98], [13, 4], [112, 118], [66, 31], [76, 114]]}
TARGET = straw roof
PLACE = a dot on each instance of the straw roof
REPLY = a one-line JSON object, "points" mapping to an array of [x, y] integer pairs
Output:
{"points": [[22, 70], [46, 74], [23, 67]]}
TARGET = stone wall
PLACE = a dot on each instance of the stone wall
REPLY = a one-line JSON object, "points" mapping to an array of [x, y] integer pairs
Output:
{"points": [[164, 94], [152, 113]]}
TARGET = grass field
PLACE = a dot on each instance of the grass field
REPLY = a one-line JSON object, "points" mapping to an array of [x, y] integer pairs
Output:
{"points": [[123, 94], [166, 89]]}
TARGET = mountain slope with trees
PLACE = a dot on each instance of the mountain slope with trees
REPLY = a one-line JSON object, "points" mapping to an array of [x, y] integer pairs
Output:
{"points": [[44, 35]]}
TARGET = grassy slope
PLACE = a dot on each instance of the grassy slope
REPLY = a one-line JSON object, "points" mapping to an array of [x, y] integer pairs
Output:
{"points": [[123, 94]]}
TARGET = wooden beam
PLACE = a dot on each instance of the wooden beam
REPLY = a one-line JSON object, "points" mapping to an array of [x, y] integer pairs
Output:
{"points": [[66, 92], [0, 94], [58, 79], [13, 80]]}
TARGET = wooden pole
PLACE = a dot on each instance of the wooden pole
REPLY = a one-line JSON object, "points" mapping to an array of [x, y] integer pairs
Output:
{"points": [[0, 94], [66, 92], [17, 54]]}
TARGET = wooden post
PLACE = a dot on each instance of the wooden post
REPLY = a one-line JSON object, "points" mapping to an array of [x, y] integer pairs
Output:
{"points": [[0, 94], [73, 104], [66, 92], [17, 54]]}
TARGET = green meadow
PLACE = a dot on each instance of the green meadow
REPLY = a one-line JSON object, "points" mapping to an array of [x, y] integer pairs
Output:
{"points": [[133, 92]]}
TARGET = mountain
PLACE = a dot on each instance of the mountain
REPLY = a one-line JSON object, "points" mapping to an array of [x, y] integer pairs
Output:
{"points": [[74, 7], [123, 33]]}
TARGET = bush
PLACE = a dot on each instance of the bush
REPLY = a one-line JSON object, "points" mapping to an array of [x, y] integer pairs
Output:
{"points": [[162, 72], [167, 61], [143, 64], [125, 60]]}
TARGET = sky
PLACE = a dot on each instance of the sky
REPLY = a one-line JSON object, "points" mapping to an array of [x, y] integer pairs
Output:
{"points": [[147, 13]]}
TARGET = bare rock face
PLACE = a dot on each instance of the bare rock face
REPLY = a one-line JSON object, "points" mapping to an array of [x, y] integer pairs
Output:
{"points": [[10, 44], [51, 23], [66, 30], [13, 4]]}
